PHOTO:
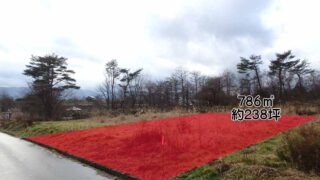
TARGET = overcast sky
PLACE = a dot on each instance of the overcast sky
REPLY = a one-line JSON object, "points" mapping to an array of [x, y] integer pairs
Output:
{"points": [[204, 35]]}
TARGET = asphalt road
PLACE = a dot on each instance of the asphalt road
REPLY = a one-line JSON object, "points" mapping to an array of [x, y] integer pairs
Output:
{"points": [[22, 160]]}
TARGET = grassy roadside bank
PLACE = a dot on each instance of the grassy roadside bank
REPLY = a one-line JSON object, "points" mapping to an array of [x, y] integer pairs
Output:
{"points": [[45, 127], [258, 161]]}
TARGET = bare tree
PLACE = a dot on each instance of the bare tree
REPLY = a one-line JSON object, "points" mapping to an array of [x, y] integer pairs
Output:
{"points": [[107, 89], [181, 76], [195, 79], [228, 81], [6, 102], [314, 84], [137, 89], [212, 92], [245, 85]]}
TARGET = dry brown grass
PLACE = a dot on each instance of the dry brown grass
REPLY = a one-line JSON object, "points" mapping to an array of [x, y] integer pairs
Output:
{"points": [[147, 115], [45, 127], [300, 108]]}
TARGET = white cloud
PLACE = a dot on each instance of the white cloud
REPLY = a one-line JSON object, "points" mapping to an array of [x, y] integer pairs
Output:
{"points": [[158, 36], [296, 27]]}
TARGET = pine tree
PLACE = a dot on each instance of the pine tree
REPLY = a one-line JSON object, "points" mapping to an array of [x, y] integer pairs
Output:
{"points": [[246, 66], [51, 78], [280, 66]]}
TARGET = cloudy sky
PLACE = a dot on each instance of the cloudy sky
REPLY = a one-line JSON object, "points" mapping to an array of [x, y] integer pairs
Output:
{"points": [[158, 35]]}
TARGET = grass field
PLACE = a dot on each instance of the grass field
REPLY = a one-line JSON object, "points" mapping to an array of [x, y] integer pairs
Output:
{"points": [[164, 148], [258, 161]]}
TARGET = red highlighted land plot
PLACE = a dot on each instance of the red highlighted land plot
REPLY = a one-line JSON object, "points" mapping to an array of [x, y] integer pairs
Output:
{"points": [[160, 149]]}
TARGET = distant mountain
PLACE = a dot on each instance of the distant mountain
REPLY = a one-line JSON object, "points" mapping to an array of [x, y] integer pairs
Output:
{"points": [[80, 93], [18, 92], [15, 92]]}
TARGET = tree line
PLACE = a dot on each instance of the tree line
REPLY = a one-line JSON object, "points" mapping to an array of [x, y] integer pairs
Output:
{"points": [[288, 78]]}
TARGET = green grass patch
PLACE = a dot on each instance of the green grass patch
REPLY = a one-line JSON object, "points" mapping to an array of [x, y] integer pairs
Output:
{"points": [[46, 127], [202, 172], [258, 161]]}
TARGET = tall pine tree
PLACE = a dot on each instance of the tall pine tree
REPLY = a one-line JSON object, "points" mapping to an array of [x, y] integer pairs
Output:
{"points": [[50, 78], [280, 67]]}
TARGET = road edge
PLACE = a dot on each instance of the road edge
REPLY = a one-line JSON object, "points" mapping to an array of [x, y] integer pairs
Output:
{"points": [[85, 161], [79, 159]]}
